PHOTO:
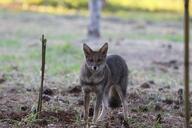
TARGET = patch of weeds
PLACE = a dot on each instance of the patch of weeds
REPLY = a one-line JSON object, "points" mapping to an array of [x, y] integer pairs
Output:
{"points": [[77, 118], [158, 121], [138, 124], [130, 120], [30, 119], [9, 43], [143, 108], [142, 125], [157, 125], [54, 107]]}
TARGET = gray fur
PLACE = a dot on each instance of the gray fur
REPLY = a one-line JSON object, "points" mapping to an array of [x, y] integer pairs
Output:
{"points": [[108, 81]]}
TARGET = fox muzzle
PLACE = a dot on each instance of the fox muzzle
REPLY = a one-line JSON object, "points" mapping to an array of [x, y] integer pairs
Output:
{"points": [[94, 68]]}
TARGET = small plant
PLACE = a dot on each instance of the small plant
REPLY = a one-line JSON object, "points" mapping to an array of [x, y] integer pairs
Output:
{"points": [[30, 119], [157, 125], [158, 122], [77, 118]]}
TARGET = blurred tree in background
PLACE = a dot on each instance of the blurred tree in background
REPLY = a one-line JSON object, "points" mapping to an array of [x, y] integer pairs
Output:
{"points": [[94, 18]]}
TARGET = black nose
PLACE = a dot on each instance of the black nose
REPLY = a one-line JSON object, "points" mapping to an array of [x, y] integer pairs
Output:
{"points": [[95, 68]]}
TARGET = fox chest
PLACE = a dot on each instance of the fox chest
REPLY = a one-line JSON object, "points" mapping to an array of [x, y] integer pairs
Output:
{"points": [[92, 84]]}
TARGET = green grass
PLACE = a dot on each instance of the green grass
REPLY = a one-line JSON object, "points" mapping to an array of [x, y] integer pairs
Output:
{"points": [[60, 58], [9, 43], [153, 36], [63, 58], [157, 125], [7, 61], [8, 58], [177, 38]]}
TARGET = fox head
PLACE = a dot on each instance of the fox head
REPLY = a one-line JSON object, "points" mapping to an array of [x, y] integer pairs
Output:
{"points": [[95, 60]]}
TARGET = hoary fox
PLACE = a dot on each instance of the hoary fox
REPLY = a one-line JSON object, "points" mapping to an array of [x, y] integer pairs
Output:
{"points": [[107, 77]]}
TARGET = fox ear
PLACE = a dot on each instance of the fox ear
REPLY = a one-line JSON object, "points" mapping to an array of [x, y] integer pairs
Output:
{"points": [[87, 50], [104, 49]]}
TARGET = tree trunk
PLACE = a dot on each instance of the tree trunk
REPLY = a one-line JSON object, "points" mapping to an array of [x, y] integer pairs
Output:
{"points": [[94, 18]]}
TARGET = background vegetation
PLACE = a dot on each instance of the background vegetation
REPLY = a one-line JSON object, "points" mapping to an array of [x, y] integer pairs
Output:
{"points": [[112, 5]]}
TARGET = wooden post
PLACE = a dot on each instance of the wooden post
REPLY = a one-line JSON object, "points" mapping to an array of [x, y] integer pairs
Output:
{"points": [[186, 62], [43, 40]]}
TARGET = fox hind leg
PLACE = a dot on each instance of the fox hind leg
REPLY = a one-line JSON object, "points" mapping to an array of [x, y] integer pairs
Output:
{"points": [[123, 100]]}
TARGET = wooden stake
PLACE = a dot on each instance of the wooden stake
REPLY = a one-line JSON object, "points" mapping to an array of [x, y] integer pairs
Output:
{"points": [[186, 62], [43, 40]]}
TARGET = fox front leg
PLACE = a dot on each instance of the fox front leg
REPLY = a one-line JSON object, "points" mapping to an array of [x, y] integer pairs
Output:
{"points": [[123, 100], [103, 111], [97, 106], [86, 106], [104, 104]]}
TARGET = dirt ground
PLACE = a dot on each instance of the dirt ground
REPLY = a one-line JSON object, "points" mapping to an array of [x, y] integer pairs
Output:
{"points": [[151, 48]]}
